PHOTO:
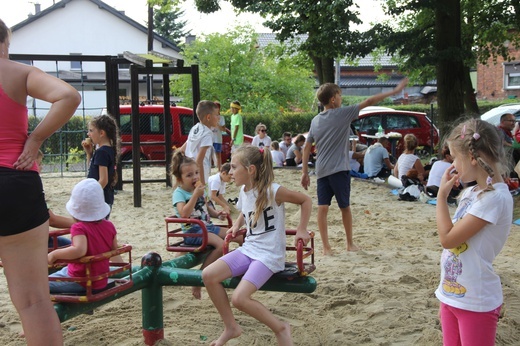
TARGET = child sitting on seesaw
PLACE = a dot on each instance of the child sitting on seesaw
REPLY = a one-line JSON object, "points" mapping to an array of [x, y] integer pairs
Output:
{"points": [[217, 187], [189, 202], [91, 235], [261, 203]]}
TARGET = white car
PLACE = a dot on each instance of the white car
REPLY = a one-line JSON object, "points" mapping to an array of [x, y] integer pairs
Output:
{"points": [[493, 116]]}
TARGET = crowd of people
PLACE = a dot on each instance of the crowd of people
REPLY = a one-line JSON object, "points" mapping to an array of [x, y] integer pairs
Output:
{"points": [[469, 291]]}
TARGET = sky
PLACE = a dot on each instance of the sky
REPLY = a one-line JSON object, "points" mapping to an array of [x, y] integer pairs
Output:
{"points": [[14, 11]]}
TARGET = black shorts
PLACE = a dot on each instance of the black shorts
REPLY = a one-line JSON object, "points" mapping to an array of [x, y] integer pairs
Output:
{"points": [[22, 201]]}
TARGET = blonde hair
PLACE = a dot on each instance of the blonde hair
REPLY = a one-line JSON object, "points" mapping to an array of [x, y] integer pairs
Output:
{"points": [[482, 141], [179, 160], [248, 155], [410, 142]]}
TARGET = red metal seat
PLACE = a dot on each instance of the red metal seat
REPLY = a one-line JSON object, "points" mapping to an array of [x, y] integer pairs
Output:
{"points": [[175, 237], [54, 234], [91, 295], [300, 266]]}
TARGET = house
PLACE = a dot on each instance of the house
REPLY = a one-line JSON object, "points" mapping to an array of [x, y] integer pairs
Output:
{"points": [[499, 79], [360, 78], [87, 27]]}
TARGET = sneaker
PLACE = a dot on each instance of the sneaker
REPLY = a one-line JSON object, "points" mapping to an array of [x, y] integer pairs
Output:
{"points": [[378, 180]]}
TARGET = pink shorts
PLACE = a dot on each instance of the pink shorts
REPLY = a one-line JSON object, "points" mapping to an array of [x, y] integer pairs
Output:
{"points": [[255, 271], [463, 327]]}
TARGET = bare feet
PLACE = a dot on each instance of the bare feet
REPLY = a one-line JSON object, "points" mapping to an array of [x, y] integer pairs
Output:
{"points": [[228, 334], [196, 292], [327, 251], [284, 337], [353, 248]]}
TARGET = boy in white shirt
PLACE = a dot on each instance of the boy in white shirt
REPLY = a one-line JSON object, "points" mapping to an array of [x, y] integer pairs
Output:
{"points": [[217, 187], [199, 145]]}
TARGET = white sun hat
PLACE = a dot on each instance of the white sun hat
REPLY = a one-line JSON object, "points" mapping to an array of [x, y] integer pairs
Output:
{"points": [[87, 201]]}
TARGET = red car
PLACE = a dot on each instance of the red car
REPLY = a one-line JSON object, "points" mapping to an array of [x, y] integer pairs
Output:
{"points": [[152, 130], [403, 122]]}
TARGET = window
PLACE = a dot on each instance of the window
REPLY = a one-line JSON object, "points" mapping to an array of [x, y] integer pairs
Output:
{"points": [[186, 123], [512, 76], [370, 123], [401, 121], [75, 65]]}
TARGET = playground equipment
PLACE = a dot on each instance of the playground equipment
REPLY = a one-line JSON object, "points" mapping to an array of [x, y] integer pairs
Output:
{"points": [[296, 268], [153, 274], [54, 234], [114, 285], [175, 237]]}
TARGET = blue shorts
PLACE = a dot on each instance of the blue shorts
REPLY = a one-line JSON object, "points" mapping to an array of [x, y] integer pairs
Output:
{"points": [[217, 147], [255, 271], [196, 229], [337, 184]]}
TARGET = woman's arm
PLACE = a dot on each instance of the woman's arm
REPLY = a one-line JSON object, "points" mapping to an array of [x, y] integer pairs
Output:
{"points": [[64, 99], [298, 155]]}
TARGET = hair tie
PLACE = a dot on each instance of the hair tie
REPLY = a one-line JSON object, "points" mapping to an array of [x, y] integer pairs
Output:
{"points": [[261, 150], [476, 136], [463, 132]]}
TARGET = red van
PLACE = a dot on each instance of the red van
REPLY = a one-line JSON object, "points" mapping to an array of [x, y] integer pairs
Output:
{"points": [[152, 130]]}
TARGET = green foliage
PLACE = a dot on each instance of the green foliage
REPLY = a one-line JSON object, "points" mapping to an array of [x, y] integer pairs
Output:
{"points": [[68, 138], [233, 67], [167, 22], [76, 155], [327, 24]]}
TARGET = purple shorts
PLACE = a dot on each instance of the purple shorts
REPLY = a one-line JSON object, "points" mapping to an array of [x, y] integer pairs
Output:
{"points": [[255, 271]]}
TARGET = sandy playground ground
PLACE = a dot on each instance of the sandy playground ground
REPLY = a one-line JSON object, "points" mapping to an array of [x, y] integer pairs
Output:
{"points": [[381, 295]]}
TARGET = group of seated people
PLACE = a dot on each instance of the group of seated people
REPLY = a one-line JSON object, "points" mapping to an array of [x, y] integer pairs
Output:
{"points": [[285, 153], [376, 163]]}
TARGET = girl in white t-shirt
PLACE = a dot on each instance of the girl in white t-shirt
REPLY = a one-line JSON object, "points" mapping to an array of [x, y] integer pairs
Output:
{"points": [[470, 291], [278, 157], [261, 203]]}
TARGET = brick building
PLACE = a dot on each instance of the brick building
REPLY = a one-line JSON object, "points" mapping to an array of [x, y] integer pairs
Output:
{"points": [[500, 79]]}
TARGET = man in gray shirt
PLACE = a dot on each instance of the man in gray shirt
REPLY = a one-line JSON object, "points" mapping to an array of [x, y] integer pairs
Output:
{"points": [[376, 162], [330, 131]]}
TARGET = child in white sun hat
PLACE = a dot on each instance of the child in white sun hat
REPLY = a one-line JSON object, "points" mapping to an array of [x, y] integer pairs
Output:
{"points": [[91, 235]]}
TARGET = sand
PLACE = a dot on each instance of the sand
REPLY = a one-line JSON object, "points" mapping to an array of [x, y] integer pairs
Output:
{"points": [[381, 295]]}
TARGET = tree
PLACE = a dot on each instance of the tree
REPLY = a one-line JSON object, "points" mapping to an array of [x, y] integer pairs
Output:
{"points": [[439, 39], [327, 24], [168, 24], [233, 66]]}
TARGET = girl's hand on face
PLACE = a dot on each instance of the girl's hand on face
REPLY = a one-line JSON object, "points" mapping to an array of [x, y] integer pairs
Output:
{"points": [[199, 189], [448, 180], [87, 145]]}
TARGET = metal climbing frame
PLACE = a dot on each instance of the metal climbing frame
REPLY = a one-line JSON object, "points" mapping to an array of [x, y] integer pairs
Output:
{"points": [[143, 64]]}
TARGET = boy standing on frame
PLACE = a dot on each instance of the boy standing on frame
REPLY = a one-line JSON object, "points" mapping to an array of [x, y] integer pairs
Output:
{"points": [[200, 139], [330, 131]]}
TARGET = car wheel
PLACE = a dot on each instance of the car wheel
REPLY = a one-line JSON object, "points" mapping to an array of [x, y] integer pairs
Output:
{"points": [[424, 152]]}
